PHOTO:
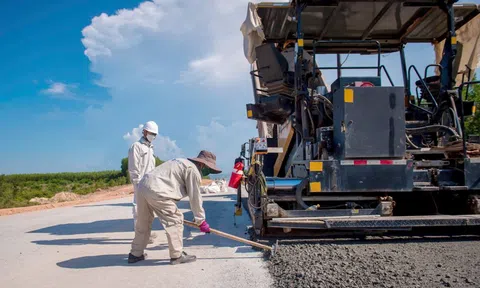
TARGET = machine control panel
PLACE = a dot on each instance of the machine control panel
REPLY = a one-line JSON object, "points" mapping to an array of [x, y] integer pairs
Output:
{"points": [[260, 146]]}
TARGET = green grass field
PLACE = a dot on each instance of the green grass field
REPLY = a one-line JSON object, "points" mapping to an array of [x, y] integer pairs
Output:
{"points": [[17, 190]]}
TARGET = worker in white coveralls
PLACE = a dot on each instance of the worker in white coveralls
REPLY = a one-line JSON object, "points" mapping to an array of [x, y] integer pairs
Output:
{"points": [[159, 191], [140, 161]]}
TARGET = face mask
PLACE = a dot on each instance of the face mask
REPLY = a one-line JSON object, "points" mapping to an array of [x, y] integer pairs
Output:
{"points": [[150, 137], [205, 171]]}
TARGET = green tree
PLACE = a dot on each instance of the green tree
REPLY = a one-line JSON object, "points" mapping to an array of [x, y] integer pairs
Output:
{"points": [[158, 161], [472, 123], [124, 167]]}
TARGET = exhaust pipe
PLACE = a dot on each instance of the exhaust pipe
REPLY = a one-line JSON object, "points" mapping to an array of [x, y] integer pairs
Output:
{"points": [[289, 184], [282, 184]]}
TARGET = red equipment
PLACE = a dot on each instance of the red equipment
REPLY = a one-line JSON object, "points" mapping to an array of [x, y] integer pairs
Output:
{"points": [[236, 176]]}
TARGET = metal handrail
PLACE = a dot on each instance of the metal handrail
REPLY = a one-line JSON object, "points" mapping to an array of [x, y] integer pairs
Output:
{"points": [[433, 65], [256, 75], [463, 79], [348, 68], [360, 68], [420, 108], [418, 96], [388, 75], [351, 41], [423, 83]]}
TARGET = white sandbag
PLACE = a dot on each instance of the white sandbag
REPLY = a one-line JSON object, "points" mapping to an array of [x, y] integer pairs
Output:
{"points": [[212, 188], [222, 184]]}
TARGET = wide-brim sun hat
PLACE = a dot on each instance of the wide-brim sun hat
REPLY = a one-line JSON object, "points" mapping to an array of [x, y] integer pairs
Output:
{"points": [[209, 159]]}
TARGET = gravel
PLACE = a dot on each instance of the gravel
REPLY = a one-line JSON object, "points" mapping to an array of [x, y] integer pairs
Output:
{"points": [[399, 262]]}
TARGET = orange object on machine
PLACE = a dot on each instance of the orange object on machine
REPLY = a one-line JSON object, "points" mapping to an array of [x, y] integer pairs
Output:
{"points": [[361, 84], [236, 176], [366, 84]]}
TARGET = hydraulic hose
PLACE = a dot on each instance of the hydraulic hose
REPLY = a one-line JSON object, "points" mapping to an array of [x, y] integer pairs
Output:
{"points": [[410, 142], [432, 128], [298, 193], [455, 115], [325, 100], [325, 103]]}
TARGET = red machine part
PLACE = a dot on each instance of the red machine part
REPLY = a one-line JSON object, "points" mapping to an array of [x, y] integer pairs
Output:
{"points": [[236, 176], [362, 84]]}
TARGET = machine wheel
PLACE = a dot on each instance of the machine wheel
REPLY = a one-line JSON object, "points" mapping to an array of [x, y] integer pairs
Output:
{"points": [[447, 119], [473, 203]]}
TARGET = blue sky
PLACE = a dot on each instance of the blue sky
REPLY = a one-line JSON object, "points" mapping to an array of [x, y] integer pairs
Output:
{"points": [[80, 76]]}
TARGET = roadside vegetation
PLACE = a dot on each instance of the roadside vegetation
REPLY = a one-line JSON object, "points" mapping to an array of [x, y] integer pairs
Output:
{"points": [[472, 124], [18, 189]]}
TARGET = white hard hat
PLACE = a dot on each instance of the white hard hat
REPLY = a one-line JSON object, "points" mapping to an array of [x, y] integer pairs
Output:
{"points": [[151, 127]]}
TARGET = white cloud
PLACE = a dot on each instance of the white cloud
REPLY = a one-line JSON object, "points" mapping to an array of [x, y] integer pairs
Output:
{"points": [[220, 69], [128, 28], [57, 88], [133, 136], [64, 91], [223, 63], [164, 147], [225, 140], [139, 53], [60, 90], [207, 31]]}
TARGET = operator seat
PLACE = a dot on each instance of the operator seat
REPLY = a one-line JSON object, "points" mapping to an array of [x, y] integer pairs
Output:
{"points": [[433, 85], [273, 70]]}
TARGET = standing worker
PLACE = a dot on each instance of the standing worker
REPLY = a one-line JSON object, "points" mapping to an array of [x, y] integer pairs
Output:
{"points": [[159, 191], [140, 161]]}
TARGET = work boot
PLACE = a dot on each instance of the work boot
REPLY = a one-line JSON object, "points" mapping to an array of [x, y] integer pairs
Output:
{"points": [[133, 259], [183, 259]]}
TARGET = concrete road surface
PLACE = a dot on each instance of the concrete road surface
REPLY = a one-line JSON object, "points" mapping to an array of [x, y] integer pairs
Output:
{"points": [[87, 246]]}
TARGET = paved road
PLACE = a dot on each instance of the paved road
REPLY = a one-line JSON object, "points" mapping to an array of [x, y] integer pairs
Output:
{"points": [[87, 246]]}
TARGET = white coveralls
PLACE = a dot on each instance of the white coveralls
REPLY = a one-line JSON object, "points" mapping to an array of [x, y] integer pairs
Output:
{"points": [[158, 192], [140, 161]]}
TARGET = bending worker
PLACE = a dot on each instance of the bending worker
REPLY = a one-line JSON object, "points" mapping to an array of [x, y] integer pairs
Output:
{"points": [[140, 161], [159, 191]]}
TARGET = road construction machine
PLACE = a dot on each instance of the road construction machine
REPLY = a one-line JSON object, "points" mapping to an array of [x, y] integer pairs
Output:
{"points": [[361, 155]]}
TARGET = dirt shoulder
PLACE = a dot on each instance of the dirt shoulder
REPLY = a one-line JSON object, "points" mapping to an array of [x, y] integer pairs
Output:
{"points": [[102, 195]]}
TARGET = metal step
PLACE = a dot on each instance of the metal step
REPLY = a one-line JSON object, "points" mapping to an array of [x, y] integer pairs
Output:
{"points": [[436, 188], [376, 222], [292, 198], [426, 188], [454, 188]]}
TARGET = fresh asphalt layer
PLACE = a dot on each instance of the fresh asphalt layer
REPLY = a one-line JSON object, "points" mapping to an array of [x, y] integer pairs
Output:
{"points": [[88, 245]]}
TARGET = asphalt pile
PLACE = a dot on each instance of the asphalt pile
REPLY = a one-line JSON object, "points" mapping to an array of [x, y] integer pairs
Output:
{"points": [[378, 263]]}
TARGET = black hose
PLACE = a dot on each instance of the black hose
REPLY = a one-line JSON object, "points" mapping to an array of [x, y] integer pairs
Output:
{"points": [[432, 128], [298, 193]]}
